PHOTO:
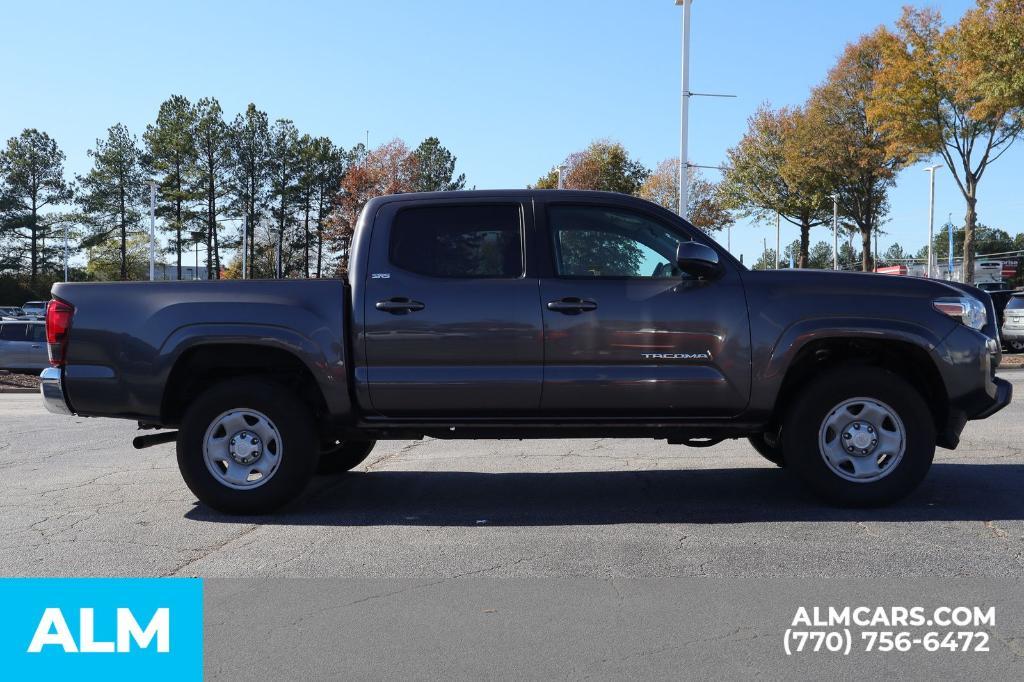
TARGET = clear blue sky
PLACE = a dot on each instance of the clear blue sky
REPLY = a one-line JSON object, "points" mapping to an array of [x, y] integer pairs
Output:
{"points": [[510, 87]]}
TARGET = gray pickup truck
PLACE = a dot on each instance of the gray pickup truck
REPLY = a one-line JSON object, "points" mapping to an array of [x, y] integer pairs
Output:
{"points": [[530, 314]]}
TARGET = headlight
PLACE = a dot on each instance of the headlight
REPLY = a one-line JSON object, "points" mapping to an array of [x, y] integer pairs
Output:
{"points": [[966, 310]]}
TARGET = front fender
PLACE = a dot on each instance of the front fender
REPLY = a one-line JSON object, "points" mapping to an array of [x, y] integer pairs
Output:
{"points": [[772, 361]]}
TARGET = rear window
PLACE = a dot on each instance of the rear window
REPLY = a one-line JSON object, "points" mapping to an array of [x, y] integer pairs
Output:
{"points": [[459, 241], [1016, 303], [12, 332]]}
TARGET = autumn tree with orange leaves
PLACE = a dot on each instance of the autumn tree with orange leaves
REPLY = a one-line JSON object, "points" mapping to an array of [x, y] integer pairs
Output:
{"points": [[954, 91]]}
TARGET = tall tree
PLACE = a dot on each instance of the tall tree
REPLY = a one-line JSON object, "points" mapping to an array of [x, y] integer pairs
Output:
{"points": [[112, 192], [928, 100], [323, 167], [284, 181], [249, 141], [705, 205], [762, 176], [435, 168], [847, 148], [171, 155], [213, 159], [388, 169], [31, 185], [603, 165]]}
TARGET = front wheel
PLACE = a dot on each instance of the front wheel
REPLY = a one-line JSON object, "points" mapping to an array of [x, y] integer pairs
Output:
{"points": [[1015, 346], [859, 436], [247, 446]]}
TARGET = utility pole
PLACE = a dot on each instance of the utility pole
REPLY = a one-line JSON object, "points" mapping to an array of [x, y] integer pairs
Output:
{"points": [[777, 240], [561, 177], [152, 230], [245, 245], [65, 250], [684, 102], [835, 231], [931, 215]]}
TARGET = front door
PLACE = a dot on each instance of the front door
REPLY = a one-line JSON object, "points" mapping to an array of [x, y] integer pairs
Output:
{"points": [[452, 321], [626, 335]]}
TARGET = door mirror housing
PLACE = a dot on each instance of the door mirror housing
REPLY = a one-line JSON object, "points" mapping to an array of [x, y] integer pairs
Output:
{"points": [[699, 260]]}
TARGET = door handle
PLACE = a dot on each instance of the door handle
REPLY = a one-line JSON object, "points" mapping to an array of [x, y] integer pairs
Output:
{"points": [[399, 306], [36, 345], [572, 305]]}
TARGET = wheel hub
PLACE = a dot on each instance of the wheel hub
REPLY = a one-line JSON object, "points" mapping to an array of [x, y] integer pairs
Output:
{"points": [[245, 447], [860, 438]]}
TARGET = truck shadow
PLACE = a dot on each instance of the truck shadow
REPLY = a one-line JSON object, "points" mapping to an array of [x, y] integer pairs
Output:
{"points": [[952, 492]]}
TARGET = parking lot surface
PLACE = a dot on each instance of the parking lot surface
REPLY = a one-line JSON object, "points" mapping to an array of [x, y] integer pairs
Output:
{"points": [[78, 500]]}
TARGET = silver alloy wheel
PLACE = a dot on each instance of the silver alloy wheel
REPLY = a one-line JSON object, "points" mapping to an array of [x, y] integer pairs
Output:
{"points": [[242, 449], [862, 440]]}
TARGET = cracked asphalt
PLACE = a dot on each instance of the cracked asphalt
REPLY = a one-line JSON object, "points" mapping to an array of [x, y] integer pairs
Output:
{"points": [[78, 500]]}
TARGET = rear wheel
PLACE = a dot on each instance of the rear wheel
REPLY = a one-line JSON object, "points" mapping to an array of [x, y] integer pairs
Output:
{"points": [[859, 436], [343, 455], [246, 446]]}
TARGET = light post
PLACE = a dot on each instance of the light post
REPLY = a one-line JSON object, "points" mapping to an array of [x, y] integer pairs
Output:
{"points": [[835, 231], [561, 177], [684, 102], [777, 244], [931, 215], [152, 230], [197, 238], [65, 250], [245, 245]]}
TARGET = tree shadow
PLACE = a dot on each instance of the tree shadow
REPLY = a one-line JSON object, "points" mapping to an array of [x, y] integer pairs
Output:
{"points": [[951, 492]]}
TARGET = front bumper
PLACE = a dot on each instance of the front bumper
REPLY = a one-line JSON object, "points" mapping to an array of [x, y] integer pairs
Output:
{"points": [[1004, 394], [51, 387]]}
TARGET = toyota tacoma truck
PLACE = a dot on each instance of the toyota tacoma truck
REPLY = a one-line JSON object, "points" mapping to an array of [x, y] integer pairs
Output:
{"points": [[530, 314]]}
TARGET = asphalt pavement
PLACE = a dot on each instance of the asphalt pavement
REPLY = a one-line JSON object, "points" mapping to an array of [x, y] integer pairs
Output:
{"points": [[78, 500]]}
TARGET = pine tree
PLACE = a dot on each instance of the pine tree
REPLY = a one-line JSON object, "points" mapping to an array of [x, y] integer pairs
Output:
{"points": [[435, 168], [113, 191], [31, 181], [171, 156], [209, 178], [249, 142]]}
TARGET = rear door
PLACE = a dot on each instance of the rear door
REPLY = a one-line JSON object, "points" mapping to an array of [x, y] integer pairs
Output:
{"points": [[626, 335], [35, 353], [451, 318]]}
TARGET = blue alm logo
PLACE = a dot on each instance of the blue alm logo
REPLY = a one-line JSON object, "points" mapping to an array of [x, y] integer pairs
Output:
{"points": [[104, 628]]}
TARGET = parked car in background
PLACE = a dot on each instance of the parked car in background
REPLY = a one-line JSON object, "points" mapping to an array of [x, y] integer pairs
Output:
{"points": [[23, 345], [34, 310], [1013, 323], [7, 311]]}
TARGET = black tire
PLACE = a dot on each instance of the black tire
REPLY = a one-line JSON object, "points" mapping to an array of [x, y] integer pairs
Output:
{"points": [[293, 421], [818, 399], [1015, 346], [767, 446], [344, 456]]}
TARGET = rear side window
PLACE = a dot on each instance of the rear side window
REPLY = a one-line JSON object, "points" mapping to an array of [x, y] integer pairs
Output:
{"points": [[1016, 303], [12, 332], [459, 241]]}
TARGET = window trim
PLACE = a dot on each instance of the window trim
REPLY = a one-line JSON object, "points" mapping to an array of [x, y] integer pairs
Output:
{"points": [[460, 204], [555, 245]]}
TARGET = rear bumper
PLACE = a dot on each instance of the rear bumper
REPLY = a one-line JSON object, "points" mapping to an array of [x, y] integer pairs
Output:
{"points": [[51, 387]]}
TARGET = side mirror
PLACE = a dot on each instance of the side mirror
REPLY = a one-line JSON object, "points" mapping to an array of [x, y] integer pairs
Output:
{"points": [[697, 259]]}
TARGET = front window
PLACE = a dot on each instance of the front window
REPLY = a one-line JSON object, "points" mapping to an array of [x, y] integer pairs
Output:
{"points": [[594, 241]]}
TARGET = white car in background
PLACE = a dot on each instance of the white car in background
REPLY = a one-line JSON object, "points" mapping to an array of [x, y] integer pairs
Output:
{"points": [[23, 345]]}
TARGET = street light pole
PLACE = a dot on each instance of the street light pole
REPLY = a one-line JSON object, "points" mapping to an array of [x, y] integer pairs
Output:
{"points": [[684, 102], [245, 238], [561, 177], [777, 245], [835, 231], [931, 216], [65, 250], [152, 231]]}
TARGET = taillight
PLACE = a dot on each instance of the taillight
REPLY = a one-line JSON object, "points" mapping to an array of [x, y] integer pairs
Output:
{"points": [[58, 322]]}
